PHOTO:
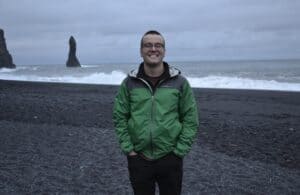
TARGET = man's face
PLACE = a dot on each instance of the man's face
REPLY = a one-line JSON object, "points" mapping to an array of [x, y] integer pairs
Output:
{"points": [[153, 50]]}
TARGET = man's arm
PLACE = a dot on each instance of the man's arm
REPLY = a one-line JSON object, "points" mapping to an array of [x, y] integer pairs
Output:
{"points": [[121, 114], [189, 118]]}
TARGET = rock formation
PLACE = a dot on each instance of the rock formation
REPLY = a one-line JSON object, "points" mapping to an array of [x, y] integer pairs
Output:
{"points": [[72, 59], [5, 58]]}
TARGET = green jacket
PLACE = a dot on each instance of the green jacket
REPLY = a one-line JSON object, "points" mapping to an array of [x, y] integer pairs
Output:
{"points": [[155, 121]]}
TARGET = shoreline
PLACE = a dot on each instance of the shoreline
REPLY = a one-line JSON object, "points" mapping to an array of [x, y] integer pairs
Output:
{"points": [[220, 110], [112, 85]]}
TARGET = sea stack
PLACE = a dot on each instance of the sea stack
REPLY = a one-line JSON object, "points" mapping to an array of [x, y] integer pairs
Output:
{"points": [[5, 58], [72, 59]]}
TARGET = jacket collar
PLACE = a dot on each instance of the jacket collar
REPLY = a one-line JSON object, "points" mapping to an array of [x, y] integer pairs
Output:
{"points": [[169, 71]]}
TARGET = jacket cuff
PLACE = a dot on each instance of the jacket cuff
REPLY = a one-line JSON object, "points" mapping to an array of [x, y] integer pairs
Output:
{"points": [[127, 150], [177, 153]]}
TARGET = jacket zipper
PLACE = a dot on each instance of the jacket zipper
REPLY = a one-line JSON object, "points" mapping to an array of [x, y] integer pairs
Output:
{"points": [[152, 113], [152, 109]]}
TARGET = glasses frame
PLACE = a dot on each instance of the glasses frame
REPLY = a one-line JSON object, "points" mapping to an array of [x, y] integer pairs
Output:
{"points": [[155, 45]]}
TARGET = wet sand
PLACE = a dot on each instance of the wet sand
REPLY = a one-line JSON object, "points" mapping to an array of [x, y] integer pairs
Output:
{"points": [[59, 138]]}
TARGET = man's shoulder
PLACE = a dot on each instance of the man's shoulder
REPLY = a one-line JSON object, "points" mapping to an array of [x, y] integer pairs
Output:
{"points": [[131, 82], [174, 72], [133, 73]]}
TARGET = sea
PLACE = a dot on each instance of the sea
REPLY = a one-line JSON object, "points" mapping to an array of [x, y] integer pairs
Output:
{"points": [[278, 75]]}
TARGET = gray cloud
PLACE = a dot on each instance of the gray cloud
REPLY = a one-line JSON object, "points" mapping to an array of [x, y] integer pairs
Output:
{"points": [[37, 32]]}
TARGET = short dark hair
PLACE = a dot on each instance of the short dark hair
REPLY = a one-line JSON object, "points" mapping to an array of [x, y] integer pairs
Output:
{"points": [[151, 32]]}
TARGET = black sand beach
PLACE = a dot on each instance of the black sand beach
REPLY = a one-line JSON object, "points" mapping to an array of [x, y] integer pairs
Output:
{"points": [[59, 139]]}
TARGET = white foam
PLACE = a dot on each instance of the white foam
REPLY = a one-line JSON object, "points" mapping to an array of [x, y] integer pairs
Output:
{"points": [[116, 77], [113, 78], [241, 83], [89, 66], [3, 70]]}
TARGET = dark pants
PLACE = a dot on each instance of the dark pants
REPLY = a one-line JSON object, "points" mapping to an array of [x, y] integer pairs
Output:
{"points": [[167, 172]]}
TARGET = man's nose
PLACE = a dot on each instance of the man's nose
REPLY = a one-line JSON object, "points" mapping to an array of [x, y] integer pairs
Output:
{"points": [[153, 48]]}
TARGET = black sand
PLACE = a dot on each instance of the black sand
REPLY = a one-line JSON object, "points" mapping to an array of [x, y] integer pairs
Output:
{"points": [[59, 139]]}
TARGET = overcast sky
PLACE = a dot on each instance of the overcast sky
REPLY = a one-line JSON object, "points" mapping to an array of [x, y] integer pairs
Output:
{"points": [[37, 31]]}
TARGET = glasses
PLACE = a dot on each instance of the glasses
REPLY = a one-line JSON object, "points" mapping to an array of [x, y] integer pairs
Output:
{"points": [[155, 45]]}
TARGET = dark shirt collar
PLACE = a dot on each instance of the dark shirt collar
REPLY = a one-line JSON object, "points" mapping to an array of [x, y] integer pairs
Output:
{"points": [[164, 75]]}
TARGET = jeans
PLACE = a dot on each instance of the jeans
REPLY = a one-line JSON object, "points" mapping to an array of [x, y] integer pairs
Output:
{"points": [[166, 172]]}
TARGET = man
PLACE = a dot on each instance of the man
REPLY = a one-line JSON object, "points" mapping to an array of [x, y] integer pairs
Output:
{"points": [[156, 120]]}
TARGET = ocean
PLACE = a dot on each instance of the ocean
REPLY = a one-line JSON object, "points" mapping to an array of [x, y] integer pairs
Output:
{"points": [[279, 75]]}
